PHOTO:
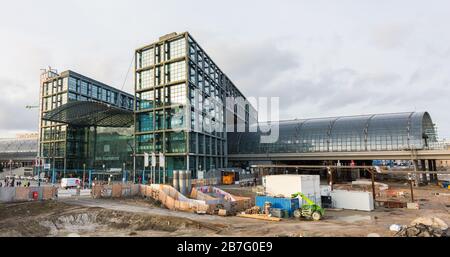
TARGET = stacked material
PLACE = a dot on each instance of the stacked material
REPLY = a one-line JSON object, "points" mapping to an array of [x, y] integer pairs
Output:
{"points": [[253, 210]]}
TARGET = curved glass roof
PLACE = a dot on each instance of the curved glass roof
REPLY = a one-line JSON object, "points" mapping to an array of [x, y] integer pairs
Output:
{"points": [[18, 149], [89, 113], [378, 132]]}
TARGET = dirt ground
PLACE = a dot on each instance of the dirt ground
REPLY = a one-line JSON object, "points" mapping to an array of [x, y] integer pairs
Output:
{"points": [[143, 217]]}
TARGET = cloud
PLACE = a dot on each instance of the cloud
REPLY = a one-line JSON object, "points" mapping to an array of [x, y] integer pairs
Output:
{"points": [[390, 36], [13, 114]]}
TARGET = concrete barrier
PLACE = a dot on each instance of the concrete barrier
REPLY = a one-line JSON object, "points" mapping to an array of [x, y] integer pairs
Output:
{"points": [[7, 194]]}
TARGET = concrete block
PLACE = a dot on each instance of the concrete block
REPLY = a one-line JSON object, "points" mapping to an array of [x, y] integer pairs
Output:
{"points": [[352, 200], [413, 206], [7, 194]]}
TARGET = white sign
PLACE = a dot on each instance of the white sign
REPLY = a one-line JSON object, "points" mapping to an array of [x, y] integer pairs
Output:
{"points": [[153, 160], [145, 159], [46, 166], [161, 160]]}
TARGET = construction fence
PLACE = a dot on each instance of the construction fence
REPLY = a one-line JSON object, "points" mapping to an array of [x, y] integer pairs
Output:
{"points": [[23, 194], [200, 200]]}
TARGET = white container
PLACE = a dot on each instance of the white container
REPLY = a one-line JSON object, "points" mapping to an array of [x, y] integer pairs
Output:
{"points": [[286, 185], [352, 200]]}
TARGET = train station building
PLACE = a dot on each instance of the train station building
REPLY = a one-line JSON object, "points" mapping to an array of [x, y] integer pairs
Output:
{"points": [[181, 108]]}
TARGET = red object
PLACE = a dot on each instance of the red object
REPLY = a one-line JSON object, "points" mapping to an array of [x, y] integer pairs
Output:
{"points": [[35, 195]]}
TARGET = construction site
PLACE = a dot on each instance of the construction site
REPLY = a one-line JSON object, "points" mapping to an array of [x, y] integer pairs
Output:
{"points": [[384, 206], [185, 154]]}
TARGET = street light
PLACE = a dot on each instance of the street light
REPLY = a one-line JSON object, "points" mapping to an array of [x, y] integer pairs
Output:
{"points": [[123, 173]]}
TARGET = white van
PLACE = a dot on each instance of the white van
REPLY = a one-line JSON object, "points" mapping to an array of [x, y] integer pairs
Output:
{"points": [[70, 183]]}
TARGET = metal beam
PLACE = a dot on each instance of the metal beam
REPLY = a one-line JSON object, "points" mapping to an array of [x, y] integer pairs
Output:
{"points": [[326, 156]]}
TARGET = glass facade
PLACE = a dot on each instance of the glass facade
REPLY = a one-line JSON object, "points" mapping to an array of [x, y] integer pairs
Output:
{"points": [[69, 147], [380, 132], [182, 110]]}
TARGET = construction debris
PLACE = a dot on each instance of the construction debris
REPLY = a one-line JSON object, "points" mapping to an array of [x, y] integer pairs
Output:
{"points": [[391, 204], [222, 212], [259, 217], [425, 227], [253, 210]]}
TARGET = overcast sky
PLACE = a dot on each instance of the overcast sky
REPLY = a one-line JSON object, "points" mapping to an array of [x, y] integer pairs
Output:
{"points": [[322, 58]]}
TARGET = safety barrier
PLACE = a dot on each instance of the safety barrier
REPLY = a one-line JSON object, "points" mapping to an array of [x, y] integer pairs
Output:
{"points": [[21, 194]]}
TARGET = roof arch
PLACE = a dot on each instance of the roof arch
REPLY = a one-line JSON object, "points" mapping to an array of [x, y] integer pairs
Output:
{"points": [[375, 132]]}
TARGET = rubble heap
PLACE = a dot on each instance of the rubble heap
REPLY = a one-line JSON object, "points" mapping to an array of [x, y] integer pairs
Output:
{"points": [[425, 227]]}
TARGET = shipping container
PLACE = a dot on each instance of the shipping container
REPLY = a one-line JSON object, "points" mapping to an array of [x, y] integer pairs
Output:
{"points": [[287, 204]]}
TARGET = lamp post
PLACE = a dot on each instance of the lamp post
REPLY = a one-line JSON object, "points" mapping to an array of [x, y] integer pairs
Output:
{"points": [[84, 175], [123, 173], [104, 170]]}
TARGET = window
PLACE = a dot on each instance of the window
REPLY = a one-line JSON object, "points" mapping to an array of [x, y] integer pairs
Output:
{"points": [[147, 58], [146, 79], [159, 120], [146, 99], [145, 143], [108, 96], [72, 84], [104, 95], [65, 84], [72, 96], [84, 88], [177, 48], [175, 71], [145, 122], [94, 91], [176, 142], [175, 118], [192, 73], [175, 94]]}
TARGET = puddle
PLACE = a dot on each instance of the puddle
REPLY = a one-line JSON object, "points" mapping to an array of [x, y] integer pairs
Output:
{"points": [[354, 218]]}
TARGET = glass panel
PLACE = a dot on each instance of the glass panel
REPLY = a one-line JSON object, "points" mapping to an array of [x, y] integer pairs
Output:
{"points": [[147, 58], [175, 94], [176, 142]]}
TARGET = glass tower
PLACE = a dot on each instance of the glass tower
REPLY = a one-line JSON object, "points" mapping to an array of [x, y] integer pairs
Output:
{"points": [[183, 110], [68, 146]]}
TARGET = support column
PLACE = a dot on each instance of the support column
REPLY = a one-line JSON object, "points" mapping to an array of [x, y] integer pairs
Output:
{"points": [[435, 176], [423, 168], [430, 168], [416, 175]]}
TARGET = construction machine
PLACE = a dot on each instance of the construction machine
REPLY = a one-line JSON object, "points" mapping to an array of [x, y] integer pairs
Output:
{"points": [[310, 210]]}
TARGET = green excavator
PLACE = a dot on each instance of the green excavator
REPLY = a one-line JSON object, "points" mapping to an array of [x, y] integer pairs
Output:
{"points": [[310, 210]]}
